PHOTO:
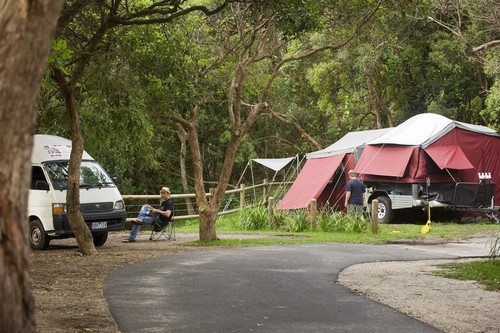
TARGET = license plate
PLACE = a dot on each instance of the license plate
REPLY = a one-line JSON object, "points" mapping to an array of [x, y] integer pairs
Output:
{"points": [[99, 225]]}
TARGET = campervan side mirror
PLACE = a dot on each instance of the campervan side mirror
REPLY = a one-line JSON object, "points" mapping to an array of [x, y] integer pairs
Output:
{"points": [[41, 185]]}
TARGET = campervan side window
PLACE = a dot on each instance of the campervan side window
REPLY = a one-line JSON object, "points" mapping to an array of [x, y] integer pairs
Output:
{"points": [[37, 175], [91, 175]]}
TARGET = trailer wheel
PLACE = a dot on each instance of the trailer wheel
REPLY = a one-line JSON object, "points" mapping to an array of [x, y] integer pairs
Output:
{"points": [[384, 210], [39, 240], [100, 239]]}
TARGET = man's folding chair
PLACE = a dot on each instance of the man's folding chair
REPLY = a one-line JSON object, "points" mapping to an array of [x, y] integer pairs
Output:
{"points": [[158, 230]]}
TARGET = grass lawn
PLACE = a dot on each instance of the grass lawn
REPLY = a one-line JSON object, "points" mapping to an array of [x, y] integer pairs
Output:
{"points": [[486, 272]]}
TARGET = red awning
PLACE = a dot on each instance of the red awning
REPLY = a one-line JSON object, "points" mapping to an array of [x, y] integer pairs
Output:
{"points": [[310, 182], [384, 160], [449, 157]]}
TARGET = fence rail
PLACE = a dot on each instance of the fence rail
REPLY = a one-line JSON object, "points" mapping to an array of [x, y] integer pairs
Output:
{"points": [[185, 204]]}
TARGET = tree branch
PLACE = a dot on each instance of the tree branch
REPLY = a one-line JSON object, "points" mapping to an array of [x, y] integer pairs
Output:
{"points": [[485, 45], [283, 118]]}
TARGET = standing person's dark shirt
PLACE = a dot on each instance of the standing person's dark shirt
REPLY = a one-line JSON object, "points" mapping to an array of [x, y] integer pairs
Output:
{"points": [[357, 189], [354, 193]]}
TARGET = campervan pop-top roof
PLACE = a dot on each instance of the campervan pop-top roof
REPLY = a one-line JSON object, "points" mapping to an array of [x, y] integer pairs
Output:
{"points": [[52, 148]]}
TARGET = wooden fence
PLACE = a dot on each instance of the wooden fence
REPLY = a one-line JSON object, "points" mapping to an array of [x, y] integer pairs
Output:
{"points": [[185, 204], [234, 201]]}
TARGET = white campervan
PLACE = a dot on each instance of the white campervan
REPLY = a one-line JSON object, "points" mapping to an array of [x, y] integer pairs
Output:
{"points": [[101, 203]]}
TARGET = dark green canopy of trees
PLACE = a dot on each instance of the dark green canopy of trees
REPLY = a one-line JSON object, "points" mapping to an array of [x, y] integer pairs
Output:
{"points": [[383, 62]]}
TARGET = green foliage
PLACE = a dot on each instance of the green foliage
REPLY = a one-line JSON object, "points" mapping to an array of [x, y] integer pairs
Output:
{"points": [[60, 54], [495, 247], [253, 218], [486, 272], [290, 221], [387, 233], [293, 17], [335, 221], [398, 65], [257, 218]]}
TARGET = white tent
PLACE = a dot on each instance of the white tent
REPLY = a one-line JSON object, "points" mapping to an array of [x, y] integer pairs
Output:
{"points": [[424, 129], [275, 164], [349, 143]]}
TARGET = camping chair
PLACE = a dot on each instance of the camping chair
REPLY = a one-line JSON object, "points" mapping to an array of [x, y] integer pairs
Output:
{"points": [[158, 229]]}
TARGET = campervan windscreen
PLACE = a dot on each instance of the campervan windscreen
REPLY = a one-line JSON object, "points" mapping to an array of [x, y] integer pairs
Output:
{"points": [[91, 175]]}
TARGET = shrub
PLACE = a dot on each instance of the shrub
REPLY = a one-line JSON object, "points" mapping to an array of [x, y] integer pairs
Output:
{"points": [[495, 247], [297, 221], [253, 218], [278, 222], [330, 220]]}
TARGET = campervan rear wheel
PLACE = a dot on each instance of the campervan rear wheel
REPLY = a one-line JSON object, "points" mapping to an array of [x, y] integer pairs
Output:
{"points": [[38, 238], [100, 239], [384, 210]]}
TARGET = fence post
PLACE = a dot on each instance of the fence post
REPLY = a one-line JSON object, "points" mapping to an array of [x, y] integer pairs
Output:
{"points": [[270, 211], [211, 191], [242, 196], [375, 216], [266, 190], [313, 211]]}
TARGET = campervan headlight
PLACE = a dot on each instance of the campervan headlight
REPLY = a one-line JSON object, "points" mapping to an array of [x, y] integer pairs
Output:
{"points": [[119, 205], [58, 208]]}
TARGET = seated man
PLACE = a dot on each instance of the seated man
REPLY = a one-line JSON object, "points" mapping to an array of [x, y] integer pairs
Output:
{"points": [[149, 215]]}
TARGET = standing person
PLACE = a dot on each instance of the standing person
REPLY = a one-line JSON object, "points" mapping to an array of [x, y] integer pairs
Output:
{"points": [[163, 215], [354, 194]]}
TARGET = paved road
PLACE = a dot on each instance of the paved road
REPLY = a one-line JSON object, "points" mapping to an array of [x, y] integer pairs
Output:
{"points": [[274, 289]]}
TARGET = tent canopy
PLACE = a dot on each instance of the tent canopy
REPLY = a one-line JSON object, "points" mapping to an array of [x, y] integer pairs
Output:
{"points": [[310, 182], [348, 143], [275, 164], [424, 129]]}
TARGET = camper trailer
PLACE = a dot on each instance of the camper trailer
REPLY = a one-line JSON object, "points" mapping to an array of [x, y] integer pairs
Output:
{"points": [[101, 203], [432, 161], [427, 161]]}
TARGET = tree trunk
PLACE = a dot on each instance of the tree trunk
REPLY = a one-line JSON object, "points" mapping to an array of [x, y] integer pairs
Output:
{"points": [[207, 219], [181, 133], [75, 217], [25, 31]]}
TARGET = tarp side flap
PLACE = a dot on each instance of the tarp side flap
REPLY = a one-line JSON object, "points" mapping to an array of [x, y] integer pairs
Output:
{"points": [[310, 182], [384, 160], [449, 157]]}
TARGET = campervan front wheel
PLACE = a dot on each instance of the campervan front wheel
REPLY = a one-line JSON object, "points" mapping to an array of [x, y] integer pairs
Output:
{"points": [[100, 239], [38, 238], [384, 210]]}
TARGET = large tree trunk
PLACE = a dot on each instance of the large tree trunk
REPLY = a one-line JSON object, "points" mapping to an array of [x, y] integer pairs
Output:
{"points": [[207, 215], [25, 31], [75, 217]]}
